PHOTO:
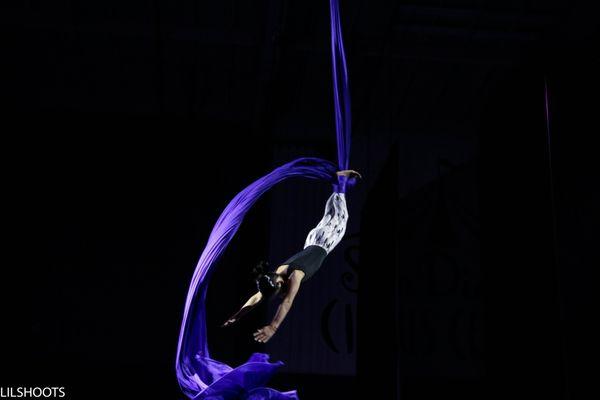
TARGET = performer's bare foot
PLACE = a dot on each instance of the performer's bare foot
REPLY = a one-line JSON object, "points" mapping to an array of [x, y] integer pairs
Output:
{"points": [[349, 173]]}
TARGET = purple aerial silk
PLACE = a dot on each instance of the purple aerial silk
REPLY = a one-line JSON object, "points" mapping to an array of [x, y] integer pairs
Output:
{"points": [[199, 376], [197, 373], [341, 91]]}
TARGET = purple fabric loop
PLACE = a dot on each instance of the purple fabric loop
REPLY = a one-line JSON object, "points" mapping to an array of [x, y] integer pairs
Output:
{"points": [[201, 377]]}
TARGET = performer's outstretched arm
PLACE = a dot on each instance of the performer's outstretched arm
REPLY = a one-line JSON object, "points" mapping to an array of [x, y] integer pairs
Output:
{"points": [[246, 308], [266, 332]]}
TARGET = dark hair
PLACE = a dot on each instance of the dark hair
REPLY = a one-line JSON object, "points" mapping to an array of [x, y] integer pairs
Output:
{"points": [[266, 281]]}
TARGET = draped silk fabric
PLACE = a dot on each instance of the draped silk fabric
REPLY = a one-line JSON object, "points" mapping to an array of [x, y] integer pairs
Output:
{"points": [[200, 376]]}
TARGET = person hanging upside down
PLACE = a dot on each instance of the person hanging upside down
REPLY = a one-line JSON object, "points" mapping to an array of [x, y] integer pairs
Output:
{"points": [[286, 280]]}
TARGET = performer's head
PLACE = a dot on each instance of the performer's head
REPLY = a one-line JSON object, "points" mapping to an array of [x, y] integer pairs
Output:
{"points": [[269, 284]]}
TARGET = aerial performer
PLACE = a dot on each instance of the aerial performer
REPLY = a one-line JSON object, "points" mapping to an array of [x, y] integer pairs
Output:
{"points": [[201, 377], [286, 280]]}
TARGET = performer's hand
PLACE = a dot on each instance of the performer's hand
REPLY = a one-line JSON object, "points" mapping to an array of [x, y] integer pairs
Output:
{"points": [[230, 321], [349, 173], [264, 334]]}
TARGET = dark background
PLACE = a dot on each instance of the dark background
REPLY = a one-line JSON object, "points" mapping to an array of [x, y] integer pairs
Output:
{"points": [[128, 126]]}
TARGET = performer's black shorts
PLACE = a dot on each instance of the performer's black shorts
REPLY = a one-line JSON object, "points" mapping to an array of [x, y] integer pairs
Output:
{"points": [[308, 261]]}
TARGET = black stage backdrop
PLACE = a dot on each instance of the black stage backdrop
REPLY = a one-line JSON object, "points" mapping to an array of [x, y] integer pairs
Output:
{"points": [[466, 269]]}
